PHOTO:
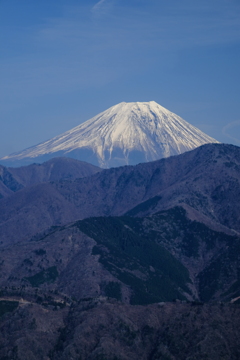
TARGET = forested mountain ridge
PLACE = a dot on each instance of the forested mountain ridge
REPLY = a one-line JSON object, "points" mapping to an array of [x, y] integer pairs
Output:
{"points": [[131, 262]]}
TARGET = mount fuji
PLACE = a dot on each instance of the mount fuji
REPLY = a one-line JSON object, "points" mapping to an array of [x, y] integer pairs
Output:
{"points": [[125, 134]]}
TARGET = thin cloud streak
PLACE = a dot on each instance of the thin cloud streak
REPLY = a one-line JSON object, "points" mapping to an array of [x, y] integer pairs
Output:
{"points": [[101, 8], [78, 52], [109, 44], [167, 30], [98, 5], [226, 128]]}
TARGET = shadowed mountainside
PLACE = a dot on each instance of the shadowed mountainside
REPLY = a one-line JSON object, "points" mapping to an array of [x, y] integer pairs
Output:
{"points": [[14, 179], [206, 181], [95, 329], [162, 257], [130, 263]]}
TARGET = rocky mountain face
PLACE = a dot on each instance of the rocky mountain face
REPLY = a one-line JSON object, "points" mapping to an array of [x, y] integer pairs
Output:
{"points": [[98, 328], [113, 288], [131, 262], [125, 134], [14, 179], [139, 261]]}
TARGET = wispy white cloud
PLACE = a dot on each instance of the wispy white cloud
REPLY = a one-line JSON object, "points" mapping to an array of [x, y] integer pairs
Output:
{"points": [[226, 130], [101, 7], [104, 46], [99, 4], [76, 51], [147, 29]]}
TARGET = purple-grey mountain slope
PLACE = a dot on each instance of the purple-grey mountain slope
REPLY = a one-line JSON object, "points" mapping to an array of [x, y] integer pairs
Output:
{"points": [[78, 289], [14, 179], [206, 181]]}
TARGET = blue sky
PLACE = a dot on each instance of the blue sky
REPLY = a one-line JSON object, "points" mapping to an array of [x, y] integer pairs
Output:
{"points": [[62, 62]]}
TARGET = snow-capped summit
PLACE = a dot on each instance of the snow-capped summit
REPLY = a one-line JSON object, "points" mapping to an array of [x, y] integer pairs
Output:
{"points": [[127, 133]]}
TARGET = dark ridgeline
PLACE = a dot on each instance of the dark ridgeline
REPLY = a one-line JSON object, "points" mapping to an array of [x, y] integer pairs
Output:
{"points": [[56, 169]]}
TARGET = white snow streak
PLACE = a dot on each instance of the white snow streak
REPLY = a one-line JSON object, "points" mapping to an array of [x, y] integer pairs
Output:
{"points": [[138, 126]]}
